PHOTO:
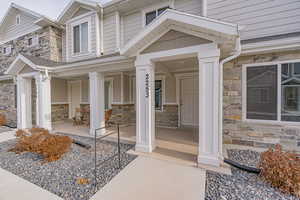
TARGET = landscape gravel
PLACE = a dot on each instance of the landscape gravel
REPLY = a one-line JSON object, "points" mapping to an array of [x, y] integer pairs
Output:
{"points": [[61, 177], [242, 185]]}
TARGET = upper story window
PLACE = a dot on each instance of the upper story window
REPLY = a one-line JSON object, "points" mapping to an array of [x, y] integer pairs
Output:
{"points": [[18, 19], [7, 50], [150, 16], [272, 92], [33, 41], [80, 38]]}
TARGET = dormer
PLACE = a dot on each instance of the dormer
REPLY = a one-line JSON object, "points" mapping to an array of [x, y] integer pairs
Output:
{"points": [[82, 25]]}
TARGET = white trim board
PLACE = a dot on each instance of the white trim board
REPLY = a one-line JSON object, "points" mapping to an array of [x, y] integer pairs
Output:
{"points": [[279, 97]]}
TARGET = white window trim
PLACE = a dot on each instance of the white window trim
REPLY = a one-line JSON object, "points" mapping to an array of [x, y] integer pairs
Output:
{"points": [[35, 41], [8, 50], [18, 17], [244, 93], [156, 7], [76, 23]]}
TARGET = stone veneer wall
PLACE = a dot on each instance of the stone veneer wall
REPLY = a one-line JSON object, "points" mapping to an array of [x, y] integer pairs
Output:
{"points": [[127, 114], [252, 134], [59, 112], [168, 117], [50, 47], [8, 101], [124, 114]]}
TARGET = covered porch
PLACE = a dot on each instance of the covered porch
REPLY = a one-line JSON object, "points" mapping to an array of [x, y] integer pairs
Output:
{"points": [[165, 87]]}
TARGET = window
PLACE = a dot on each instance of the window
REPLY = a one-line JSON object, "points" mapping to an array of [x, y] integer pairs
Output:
{"points": [[150, 16], [80, 38], [269, 97], [33, 41], [158, 94], [7, 50], [18, 19], [30, 42]]}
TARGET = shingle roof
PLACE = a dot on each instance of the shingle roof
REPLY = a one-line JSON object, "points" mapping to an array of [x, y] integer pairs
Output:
{"points": [[42, 61], [49, 63]]}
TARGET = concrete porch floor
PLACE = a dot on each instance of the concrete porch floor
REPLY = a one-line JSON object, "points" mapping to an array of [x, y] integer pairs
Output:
{"points": [[180, 144]]}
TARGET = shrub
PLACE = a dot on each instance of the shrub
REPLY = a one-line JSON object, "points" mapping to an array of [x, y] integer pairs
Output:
{"points": [[281, 170], [2, 120], [40, 141]]}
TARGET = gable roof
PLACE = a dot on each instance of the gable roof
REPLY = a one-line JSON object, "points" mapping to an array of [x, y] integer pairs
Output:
{"points": [[40, 18], [72, 7], [36, 63], [203, 27]]}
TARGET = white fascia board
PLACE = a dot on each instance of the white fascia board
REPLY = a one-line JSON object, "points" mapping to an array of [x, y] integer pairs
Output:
{"points": [[20, 35], [6, 77], [13, 69], [44, 21], [204, 23], [86, 64], [91, 4], [271, 46]]}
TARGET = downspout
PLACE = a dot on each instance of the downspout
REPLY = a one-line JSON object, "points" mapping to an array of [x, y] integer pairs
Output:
{"points": [[236, 53]]}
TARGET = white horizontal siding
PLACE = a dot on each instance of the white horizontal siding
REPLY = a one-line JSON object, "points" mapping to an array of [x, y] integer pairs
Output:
{"points": [[131, 26], [189, 6], [261, 18], [93, 41], [13, 31], [109, 34]]}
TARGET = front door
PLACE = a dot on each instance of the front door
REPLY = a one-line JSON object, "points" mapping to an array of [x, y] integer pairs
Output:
{"points": [[75, 97], [189, 101]]}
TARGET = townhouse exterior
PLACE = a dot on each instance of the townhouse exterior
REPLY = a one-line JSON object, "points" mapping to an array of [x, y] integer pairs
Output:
{"points": [[229, 68]]}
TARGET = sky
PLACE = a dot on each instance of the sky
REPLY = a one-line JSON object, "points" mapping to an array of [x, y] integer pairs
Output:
{"points": [[49, 8]]}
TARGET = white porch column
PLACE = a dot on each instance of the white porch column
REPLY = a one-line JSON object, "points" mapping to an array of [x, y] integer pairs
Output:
{"points": [[145, 113], [43, 87], [210, 142], [97, 105], [24, 103]]}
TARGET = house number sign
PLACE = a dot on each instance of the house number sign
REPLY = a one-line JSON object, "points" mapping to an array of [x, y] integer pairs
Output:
{"points": [[147, 85]]}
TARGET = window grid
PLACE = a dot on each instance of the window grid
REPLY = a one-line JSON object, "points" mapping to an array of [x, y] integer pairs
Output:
{"points": [[279, 91]]}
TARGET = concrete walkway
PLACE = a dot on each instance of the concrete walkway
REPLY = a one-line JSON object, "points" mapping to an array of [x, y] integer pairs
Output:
{"points": [[13, 187], [148, 179], [7, 136]]}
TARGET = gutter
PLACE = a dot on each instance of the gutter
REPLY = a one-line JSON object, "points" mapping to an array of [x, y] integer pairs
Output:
{"points": [[236, 53]]}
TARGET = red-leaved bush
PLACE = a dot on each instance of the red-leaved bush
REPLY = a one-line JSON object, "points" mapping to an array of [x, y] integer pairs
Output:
{"points": [[40, 141], [281, 169], [2, 120]]}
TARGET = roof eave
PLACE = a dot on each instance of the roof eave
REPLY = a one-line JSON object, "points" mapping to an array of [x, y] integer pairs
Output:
{"points": [[170, 17]]}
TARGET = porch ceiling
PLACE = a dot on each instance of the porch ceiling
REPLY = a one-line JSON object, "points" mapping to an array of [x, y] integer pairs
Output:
{"points": [[202, 27]]}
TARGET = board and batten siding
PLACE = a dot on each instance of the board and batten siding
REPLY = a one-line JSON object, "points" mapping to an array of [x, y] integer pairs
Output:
{"points": [[93, 40], [261, 18], [13, 31], [189, 6], [109, 34]]}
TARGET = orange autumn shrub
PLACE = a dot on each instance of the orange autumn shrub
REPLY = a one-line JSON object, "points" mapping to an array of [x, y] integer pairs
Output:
{"points": [[281, 169], [40, 141], [2, 120]]}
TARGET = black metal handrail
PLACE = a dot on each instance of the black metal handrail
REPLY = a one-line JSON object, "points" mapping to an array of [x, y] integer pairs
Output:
{"points": [[114, 155]]}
